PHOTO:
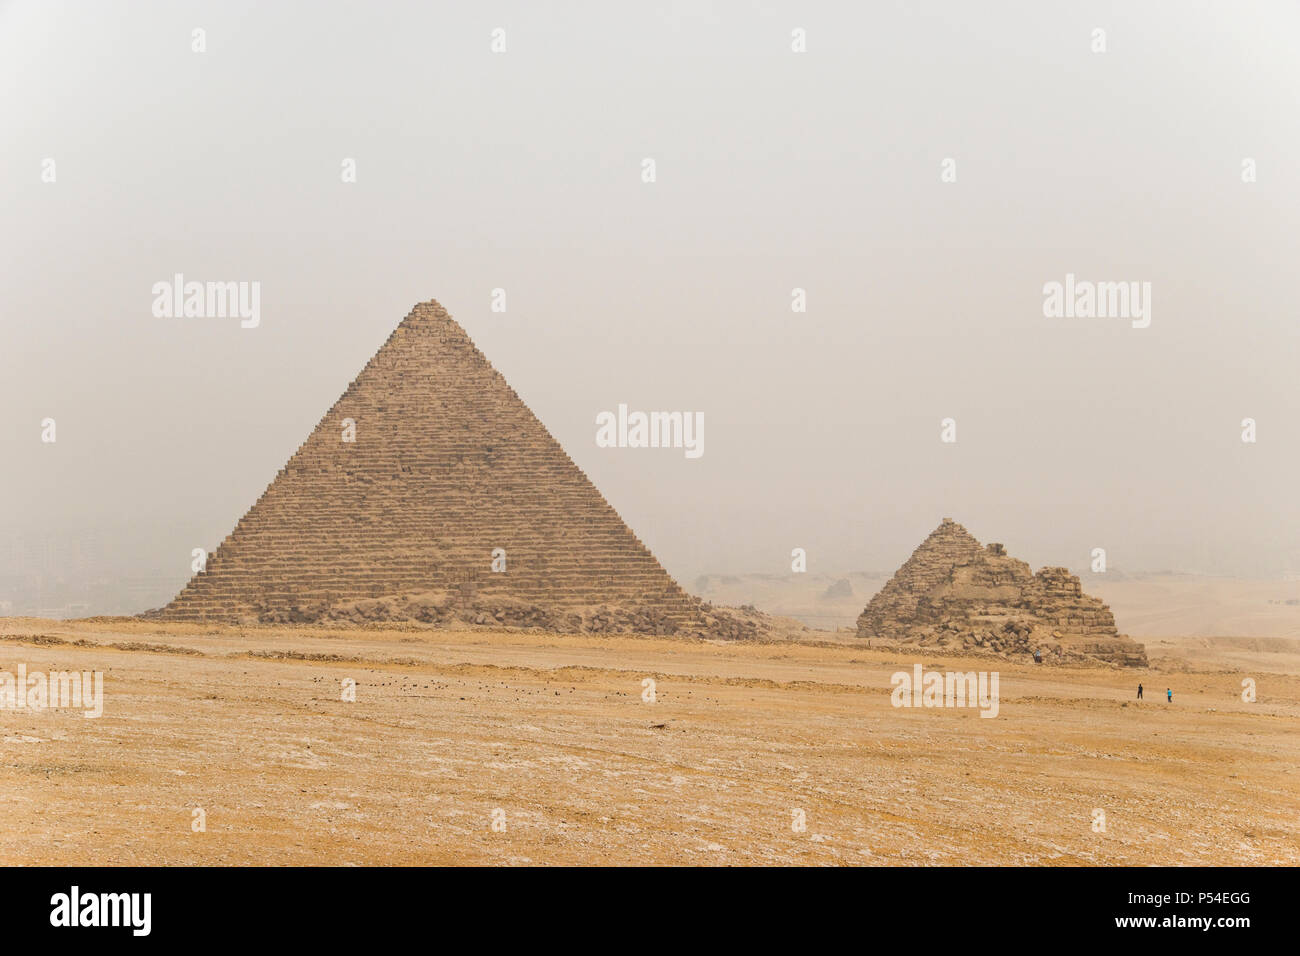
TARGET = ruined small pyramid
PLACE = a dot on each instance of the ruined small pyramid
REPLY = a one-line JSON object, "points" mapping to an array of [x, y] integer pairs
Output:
{"points": [[895, 604], [426, 478], [956, 592]]}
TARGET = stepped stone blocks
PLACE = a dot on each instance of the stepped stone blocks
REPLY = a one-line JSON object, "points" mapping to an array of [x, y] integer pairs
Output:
{"points": [[447, 464], [894, 606], [954, 592]]}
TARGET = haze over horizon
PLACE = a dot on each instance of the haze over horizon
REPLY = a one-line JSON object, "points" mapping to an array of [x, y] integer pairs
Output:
{"points": [[775, 170]]}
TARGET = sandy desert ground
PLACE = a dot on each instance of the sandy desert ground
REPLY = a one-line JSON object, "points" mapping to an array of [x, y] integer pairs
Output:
{"points": [[449, 726]]}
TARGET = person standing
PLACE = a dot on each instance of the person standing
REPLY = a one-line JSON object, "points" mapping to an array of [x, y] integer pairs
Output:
{"points": [[1169, 695], [1139, 691]]}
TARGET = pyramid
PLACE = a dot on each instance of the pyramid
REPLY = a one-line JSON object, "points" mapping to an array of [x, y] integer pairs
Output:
{"points": [[955, 592], [403, 522], [894, 606]]}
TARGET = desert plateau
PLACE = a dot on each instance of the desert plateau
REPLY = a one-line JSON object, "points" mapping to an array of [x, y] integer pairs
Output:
{"points": [[484, 746]]}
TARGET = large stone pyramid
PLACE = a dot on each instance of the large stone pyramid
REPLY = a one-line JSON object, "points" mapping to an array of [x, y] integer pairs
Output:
{"points": [[955, 592], [403, 522]]}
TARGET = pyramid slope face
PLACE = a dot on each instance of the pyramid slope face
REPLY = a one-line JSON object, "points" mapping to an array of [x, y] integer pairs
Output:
{"points": [[446, 465], [953, 591], [894, 606]]}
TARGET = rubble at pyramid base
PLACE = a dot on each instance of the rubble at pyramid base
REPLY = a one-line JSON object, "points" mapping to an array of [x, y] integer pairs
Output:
{"points": [[450, 609]]}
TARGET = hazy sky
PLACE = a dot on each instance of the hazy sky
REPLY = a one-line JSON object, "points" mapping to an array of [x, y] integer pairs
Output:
{"points": [[522, 170]]}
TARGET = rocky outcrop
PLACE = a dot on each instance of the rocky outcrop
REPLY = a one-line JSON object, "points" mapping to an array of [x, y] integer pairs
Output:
{"points": [[956, 593]]}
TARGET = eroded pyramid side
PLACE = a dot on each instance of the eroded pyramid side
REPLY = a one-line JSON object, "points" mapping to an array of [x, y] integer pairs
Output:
{"points": [[955, 593], [893, 607]]}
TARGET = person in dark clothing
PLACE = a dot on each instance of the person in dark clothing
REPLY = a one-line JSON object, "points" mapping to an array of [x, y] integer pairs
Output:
{"points": [[1139, 691]]}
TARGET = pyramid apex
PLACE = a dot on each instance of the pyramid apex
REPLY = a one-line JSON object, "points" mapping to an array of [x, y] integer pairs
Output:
{"points": [[430, 314], [947, 534], [947, 527], [429, 308]]}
